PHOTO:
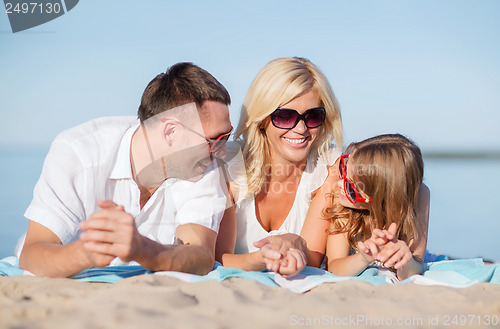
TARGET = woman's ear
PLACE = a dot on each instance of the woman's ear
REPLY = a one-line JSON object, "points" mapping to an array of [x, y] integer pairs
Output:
{"points": [[262, 127]]}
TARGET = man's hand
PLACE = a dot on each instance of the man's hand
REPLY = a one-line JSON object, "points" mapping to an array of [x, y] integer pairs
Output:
{"points": [[109, 233]]}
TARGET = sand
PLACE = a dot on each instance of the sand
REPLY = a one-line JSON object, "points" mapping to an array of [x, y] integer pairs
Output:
{"points": [[151, 301]]}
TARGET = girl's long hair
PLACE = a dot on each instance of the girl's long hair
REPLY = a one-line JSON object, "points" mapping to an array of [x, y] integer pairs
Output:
{"points": [[278, 83], [388, 169]]}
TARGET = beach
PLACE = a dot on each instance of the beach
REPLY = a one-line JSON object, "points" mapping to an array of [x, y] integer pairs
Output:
{"points": [[155, 301]]}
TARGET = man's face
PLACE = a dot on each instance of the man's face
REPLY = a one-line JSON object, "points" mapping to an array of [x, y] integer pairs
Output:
{"points": [[193, 158], [177, 145], [215, 121]]}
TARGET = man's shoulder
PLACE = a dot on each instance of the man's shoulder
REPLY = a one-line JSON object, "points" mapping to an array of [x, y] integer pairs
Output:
{"points": [[100, 126], [94, 140]]}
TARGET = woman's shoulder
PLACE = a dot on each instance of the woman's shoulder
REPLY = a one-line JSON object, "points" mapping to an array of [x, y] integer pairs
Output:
{"points": [[236, 169], [317, 162], [330, 155], [318, 169]]}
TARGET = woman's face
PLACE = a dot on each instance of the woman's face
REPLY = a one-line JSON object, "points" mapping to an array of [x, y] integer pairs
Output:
{"points": [[293, 145]]}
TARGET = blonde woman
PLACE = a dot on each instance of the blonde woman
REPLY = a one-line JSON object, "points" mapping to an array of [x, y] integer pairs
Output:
{"points": [[290, 129], [374, 217]]}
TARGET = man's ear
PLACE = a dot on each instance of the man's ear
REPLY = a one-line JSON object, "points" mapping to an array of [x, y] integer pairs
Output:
{"points": [[169, 127]]}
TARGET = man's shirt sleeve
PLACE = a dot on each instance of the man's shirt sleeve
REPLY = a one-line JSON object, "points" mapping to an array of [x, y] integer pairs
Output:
{"points": [[202, 202], [57, 201]]}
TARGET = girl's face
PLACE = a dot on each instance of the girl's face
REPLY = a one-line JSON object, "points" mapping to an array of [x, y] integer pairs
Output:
{"points": [[293, 145], [344, 201]]}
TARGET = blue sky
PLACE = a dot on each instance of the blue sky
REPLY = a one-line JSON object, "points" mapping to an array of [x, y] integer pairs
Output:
{"points": [[429, 69]]}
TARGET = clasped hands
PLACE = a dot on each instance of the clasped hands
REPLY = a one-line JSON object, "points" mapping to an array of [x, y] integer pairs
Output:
{"points": [[283, 254], [109, 233], [384, 247]]}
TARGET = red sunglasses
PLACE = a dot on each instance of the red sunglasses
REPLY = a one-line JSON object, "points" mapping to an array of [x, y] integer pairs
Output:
{"points": [[349, 188]]}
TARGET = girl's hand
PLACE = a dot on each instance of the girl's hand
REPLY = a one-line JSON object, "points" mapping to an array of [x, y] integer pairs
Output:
{"points": [[395, 253], [381, 237], [371, 248]]}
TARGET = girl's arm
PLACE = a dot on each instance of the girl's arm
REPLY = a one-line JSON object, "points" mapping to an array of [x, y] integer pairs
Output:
{"points": [[338, 258], [319, 240]]}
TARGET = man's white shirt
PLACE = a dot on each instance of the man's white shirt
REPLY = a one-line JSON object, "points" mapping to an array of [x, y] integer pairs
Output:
{"points": [[91, 162]]}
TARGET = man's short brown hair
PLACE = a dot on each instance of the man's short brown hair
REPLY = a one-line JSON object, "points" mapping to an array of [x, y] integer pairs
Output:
{"points": [[183, 83]]}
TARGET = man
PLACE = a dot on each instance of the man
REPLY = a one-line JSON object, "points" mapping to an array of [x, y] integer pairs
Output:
{"points": [[103, 195]]}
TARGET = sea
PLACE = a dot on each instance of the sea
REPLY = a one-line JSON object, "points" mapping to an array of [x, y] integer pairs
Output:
{"points": [[464, 216]]}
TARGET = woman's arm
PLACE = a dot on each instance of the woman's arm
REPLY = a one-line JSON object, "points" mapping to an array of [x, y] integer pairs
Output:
{"points": [[316, 227], [226, 238], [248, 262]]}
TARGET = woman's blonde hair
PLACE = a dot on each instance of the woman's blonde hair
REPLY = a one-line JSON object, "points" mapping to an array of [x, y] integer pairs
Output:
{"points": [[389, 169], [278, 83]]}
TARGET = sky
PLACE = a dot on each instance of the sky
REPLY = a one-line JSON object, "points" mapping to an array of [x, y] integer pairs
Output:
{"points": [[429, 69]]}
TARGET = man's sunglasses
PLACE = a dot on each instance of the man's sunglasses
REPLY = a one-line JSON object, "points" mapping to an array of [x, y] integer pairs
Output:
{"points": [[349, 188], [288, 119], [213, 144]]}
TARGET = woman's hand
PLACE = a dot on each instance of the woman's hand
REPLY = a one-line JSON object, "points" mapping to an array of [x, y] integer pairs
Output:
{"points": [[284, 254], [283, 242], [270, 258], [294, 262]]}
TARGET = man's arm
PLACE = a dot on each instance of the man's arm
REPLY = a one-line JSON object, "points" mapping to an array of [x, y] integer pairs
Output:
{"points": [[112, 231], [193, 253], [226, 239], [43, 254]]}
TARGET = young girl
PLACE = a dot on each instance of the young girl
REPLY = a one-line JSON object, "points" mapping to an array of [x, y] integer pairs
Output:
{"points": [[375, 190]]}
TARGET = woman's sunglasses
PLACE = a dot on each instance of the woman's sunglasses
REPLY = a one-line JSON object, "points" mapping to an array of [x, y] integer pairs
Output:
{"points": [[288, 119], [349, 188]]}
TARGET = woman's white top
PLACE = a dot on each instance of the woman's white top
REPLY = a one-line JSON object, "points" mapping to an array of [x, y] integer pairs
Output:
{"points": [[249, 228]]}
